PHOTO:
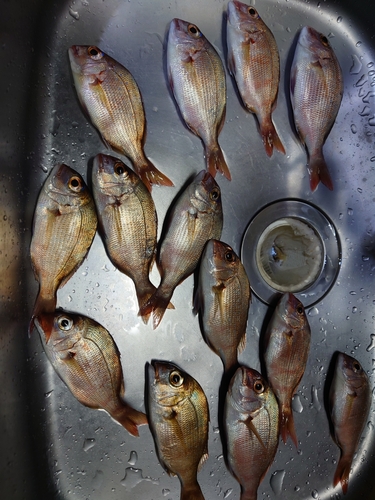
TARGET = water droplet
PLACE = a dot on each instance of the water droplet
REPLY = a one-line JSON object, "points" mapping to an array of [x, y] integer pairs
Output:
{"points": [[315, 494], [358, 44], [361, 81], [165, 492], [133, 477], [360, 190], [297, 488], [276, 481], [372, 343], [356, 66], [353, 292], [365, 258], [350, 211], [314, 398], [97, 479], [74, 13], [48, 394], [353, 128], [296, 404], [372, 121], [339, 19], [228, 493], [370, 426], [314, 311], [354, 310], [368, 96], [341, 215], [365, 112], [88, 444], [133, 458], [69, 298], [372, 158]]}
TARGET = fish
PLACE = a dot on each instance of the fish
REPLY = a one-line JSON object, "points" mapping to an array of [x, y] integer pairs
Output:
{"points": [[87, 360], [286, 349], [128, 221], [251, 429], [316, 89], [110, 96], [349, 405], [178, 416], [223, 298], [64, 227], [197, 79], [195, 218], [253, 61]]}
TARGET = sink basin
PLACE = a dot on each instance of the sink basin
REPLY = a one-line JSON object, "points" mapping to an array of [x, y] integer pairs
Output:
{"points": [[51, 445]]}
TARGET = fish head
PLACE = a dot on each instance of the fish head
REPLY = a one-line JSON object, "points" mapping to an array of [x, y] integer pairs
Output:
{"points": [[315, 43], [66, 186], [60, 331], [220, 261], [205, 193], [248, 389], [111, 176], [88, 63], [243, 17], [168, 384], [351, 372], [186, 38], [292, 311]]}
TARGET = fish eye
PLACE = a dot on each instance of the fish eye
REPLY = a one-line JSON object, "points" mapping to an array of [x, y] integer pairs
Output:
{"points": [[324, 40], [94, 53], [215, 194], [258, 387], [252, 12], [300, 310], [193, 30], [356, 366], [75, 184], [65, 323], [176, 379], [119, 168], [229, 256]]}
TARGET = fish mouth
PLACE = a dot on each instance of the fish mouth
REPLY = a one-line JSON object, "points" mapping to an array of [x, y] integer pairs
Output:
{"points": [[44, 326]]}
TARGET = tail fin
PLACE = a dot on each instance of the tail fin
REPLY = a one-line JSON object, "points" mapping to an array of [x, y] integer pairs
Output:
{"points": [[287, 425], [318, 172], [342, 473], [215, 161], [144, 293], [191, 492], [130, 418], [156, 304], [43, 310], [270, 137], [151, 175]]}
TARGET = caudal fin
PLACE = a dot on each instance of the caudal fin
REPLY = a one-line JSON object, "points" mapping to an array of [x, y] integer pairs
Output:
{"points": [[287, 425], [43, 310], [143, 295], [342, 473], [130, 418], [215, 161], [151, 175], [270, 138], [318, 172], [156, 304]]}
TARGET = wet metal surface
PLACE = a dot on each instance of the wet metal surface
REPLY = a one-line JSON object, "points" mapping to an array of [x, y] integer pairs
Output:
{"points": [[53, 447]]}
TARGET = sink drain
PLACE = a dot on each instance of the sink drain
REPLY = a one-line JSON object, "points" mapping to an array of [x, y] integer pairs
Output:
{"points": [[291, 246]]}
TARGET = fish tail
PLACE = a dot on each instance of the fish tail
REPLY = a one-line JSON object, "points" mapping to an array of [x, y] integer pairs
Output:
{"points": [[156, 304], [287, 425], [271, 138], [43, 310], [318, 172], [342, 473], [151, 175], [143, 295], [130, 419], [216, 162], [191, 492]]}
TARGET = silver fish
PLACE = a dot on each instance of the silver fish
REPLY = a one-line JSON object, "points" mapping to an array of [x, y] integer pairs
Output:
{"points": [[349, 405], [197, 79], [195, 218], [178, 415], [223, 298], [251, 424], [128, 221], [316, 88], [87, 360], [109, 94], [253, 60]]}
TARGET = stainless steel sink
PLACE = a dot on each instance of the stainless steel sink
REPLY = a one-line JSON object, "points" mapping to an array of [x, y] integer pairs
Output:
{"points": [[53, 447]]}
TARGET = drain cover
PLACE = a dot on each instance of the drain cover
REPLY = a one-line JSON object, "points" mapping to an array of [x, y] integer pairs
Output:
{"points": [[291, 246]]}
